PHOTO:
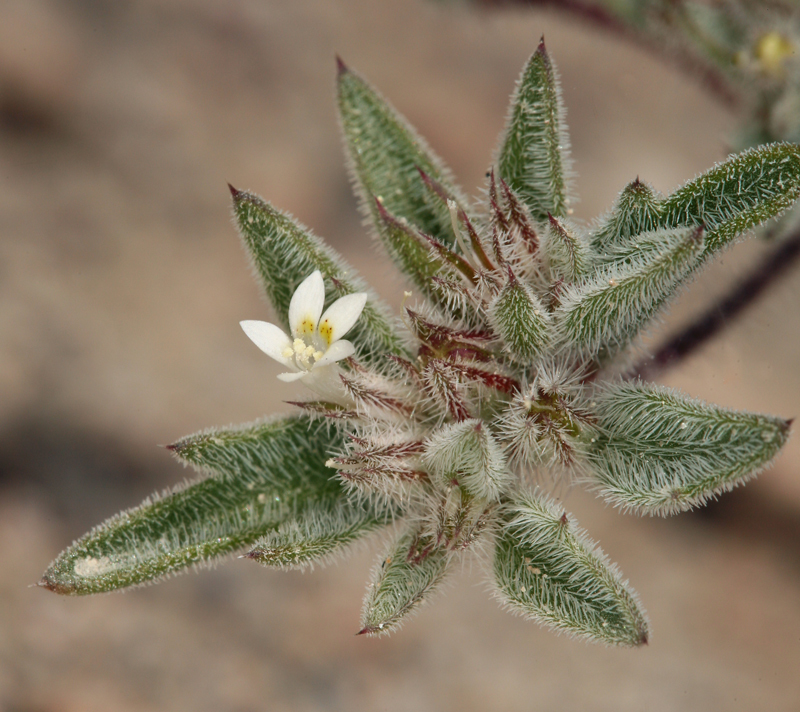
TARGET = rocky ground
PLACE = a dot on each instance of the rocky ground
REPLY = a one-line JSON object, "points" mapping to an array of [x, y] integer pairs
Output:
{"points": [[121, 285]]}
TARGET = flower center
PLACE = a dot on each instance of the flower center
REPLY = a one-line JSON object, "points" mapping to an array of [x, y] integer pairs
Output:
{"points": [[305, 355]]}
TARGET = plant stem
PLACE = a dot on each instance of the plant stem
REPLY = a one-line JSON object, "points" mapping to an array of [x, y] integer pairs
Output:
{"points": [[694, 335]]}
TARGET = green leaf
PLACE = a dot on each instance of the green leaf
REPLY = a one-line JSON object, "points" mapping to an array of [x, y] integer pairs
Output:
{"points": [[566, 251], [547, 569], [317, 534], [386, 156], [636, 211], [661, 452], [522, 321], [534, 151], [411, 570], [744, 191], [411, 252], [468, 454], [610, 309], [284, 253], [261, 476]]}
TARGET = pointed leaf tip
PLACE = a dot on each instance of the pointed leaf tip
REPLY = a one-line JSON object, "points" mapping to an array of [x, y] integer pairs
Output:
{"points": [[533, 157], [222, 513], [382, 211], [234, 192], [59, 587], [341, 67], [712, 449], [551, 572]]}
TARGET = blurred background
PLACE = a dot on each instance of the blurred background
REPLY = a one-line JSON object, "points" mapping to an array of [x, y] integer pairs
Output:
{"points": [[122, 282]]}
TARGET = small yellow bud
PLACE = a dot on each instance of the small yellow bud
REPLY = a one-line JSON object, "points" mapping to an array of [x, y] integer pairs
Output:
{"points": [[771, 51]]}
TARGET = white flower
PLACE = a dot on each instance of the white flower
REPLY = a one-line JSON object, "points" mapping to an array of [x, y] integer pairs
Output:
{"points": [[316, 340]]}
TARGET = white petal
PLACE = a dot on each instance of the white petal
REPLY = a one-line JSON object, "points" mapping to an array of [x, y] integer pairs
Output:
{"points": [[336, 352], [340, 316], [270, 339], [289, 377], [306, 305]]}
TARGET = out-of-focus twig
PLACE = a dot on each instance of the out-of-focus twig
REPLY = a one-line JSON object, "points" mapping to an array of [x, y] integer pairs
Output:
{"points": [[694, 335]]}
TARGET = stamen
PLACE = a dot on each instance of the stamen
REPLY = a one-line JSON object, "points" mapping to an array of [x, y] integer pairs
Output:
{"points": [[302, 353]]}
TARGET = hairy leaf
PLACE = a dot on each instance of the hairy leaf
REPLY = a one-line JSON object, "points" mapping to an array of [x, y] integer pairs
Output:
{"points": [[521, 320], [284, 253], [467, 454], [636, 211], [410, 571], [260, 476], [412, 252], [567, 254], [534, 151], [386, 156], [661, 452], [547, 569], [611, 308], [316, 534], [744, 191]]}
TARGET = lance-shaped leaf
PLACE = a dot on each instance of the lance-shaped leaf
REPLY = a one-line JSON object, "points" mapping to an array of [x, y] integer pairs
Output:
{"points": [[661, 452], [566, 252], [409, 573], [467, 454], [744, 191], [534, 152], [636, 211], [518, 223], [611, 308], [547, 569], [386, 156], [284, 253], [316, 534], [411, 252], [459, 220], [521, 320], [260, 476]]}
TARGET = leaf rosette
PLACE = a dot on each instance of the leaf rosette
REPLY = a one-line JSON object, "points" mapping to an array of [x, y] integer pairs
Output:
{"points": [[507, 366]]}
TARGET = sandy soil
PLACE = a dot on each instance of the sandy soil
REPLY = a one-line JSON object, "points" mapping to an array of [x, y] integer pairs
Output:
{"points": [[121, 285]]}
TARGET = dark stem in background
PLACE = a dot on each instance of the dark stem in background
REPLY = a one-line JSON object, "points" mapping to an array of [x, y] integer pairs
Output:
{"points": [[676, 55], [714, 319]]}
